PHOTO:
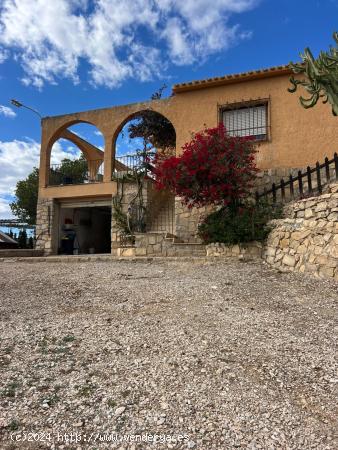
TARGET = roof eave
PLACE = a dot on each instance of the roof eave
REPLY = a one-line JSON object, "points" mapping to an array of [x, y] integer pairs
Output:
{"points": [[231, 79]]}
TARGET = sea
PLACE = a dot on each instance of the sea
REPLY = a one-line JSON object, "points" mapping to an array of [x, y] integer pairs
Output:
{"points": [[30, 231]]}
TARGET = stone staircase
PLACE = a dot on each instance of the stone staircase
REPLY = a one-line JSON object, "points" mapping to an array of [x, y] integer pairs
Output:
{"points": [[176, 247], [159, 238]]}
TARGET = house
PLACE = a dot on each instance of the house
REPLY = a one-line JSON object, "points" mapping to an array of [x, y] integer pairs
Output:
{"points": [[77, 216], [6, 242]]}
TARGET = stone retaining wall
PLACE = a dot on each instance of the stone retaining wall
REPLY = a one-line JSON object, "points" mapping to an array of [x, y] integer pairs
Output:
{"points": [[187, 220], [250, 250], [307, 240], [158, 244], [20, 252]]}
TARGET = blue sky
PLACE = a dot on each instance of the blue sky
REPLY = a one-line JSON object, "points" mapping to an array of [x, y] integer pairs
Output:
{"points": [[63, 56]]}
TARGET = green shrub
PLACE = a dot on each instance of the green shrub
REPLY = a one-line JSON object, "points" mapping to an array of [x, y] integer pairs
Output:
{"points": [[238, 223]]}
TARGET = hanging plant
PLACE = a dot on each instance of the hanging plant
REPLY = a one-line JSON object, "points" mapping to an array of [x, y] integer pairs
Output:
{"points": [[120, 217]]}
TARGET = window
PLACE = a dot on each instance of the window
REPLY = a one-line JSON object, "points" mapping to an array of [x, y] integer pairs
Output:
{"points": [[247, 120]]}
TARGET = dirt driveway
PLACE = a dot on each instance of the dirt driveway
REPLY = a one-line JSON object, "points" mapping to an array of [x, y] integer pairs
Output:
{"points": [[191, 354]]}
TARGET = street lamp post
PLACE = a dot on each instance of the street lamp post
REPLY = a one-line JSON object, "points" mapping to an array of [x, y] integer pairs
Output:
{"points": [[19, 105]]}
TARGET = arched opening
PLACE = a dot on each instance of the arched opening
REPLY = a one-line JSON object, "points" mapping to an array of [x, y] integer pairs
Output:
{"points": [[76, 155], [139, 138]]}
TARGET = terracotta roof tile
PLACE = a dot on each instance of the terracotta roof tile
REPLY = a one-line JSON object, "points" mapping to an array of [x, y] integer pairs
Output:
{"points": [[232, 78]]}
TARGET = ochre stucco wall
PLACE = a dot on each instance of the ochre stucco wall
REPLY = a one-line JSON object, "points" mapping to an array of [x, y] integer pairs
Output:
{"points": [[298, 137], [78, 190], [108, 120]]}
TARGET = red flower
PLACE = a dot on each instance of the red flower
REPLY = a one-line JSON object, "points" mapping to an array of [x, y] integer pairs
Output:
{"points": [[214, 168]]}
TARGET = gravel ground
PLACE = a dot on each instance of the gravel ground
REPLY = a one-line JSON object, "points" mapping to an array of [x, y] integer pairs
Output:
{"points": [[205, 355]]}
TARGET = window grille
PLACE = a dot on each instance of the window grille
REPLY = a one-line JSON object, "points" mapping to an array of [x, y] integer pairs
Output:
{"points": [[249, 120]]}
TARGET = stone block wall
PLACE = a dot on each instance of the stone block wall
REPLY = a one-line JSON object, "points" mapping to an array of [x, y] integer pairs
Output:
{"points": [[187, 220], [150, 244], [20, 253], [158, 244], [307, 239], [130, 190], [265, 178], [45, 218], [160, 211], [250, 250], [155, 203]]}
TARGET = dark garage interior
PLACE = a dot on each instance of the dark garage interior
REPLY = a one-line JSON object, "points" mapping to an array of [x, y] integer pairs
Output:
{"points": [[85, 230]]}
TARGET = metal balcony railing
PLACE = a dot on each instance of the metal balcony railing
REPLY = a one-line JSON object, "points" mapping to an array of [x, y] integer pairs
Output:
{"points": [[133, 163], [76, 172]]}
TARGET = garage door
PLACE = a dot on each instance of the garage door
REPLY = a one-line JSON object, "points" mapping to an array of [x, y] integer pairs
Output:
{"points": [[85, 204]]}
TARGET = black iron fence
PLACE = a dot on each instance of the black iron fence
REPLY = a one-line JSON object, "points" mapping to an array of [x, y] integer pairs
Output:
{"points": [[304, 184], [133, 163], [76, 172]]}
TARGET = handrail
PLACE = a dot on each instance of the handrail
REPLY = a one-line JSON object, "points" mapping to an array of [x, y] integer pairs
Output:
{"points": [[132, 162]]}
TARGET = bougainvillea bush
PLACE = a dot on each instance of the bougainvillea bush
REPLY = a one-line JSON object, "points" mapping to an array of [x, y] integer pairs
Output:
{"points": [[214, 169]]}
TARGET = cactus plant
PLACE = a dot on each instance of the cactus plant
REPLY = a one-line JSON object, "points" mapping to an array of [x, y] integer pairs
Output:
{"points": [[321, 77]]}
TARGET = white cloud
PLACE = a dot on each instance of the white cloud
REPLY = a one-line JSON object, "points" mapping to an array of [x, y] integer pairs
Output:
{"points": [[118, 39], [200, 28], [60, 152], [17, 159], [7, 112], [5, 210], [180, 50]]}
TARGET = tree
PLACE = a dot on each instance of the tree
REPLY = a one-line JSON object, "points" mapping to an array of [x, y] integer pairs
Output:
{"points": [[321, 77], [26, 192], [22, 239], [70, 171], [214, 169]]}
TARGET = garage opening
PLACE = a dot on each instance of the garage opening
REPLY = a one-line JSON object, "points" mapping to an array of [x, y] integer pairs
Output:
{"points": [[84, 230]]}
